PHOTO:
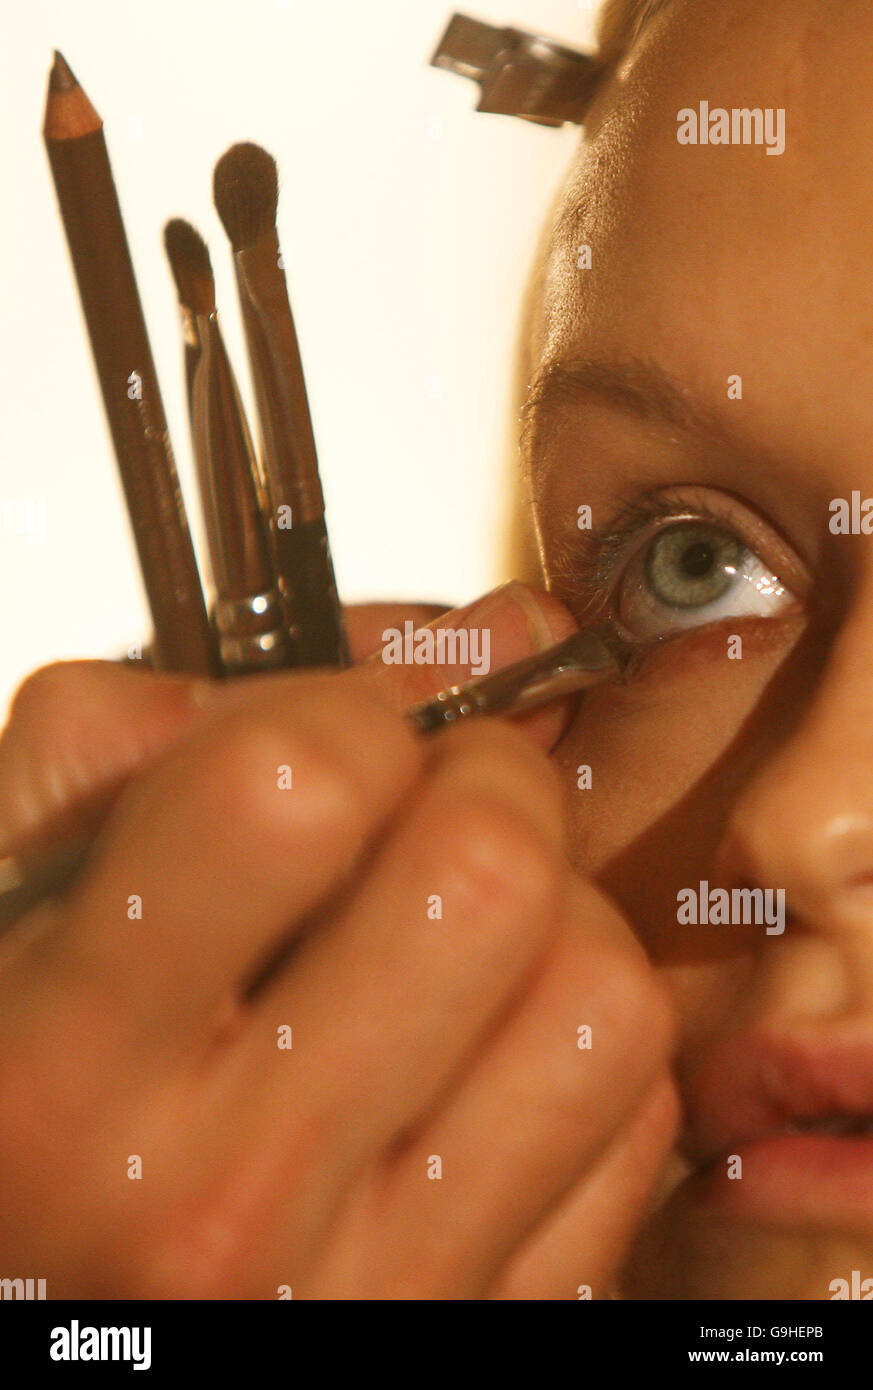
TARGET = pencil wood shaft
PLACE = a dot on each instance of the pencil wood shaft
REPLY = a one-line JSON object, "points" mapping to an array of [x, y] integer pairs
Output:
{"points": [[91, 216]]}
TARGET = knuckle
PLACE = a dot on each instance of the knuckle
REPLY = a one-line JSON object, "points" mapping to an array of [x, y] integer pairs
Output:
{"points": [[200, 1259], [342, 750], [497, 858], [205, 1252], [633, 1004], [503, 763], [274, 779], [44, 692], [631, 999]]}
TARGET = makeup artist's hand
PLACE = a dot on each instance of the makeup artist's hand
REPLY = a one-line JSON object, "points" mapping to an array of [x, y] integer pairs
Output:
{"points": [[434, 1128]]}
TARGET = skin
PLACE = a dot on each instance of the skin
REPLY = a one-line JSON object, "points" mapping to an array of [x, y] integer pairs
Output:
{"points": [[265, 1169], [709, 262]]}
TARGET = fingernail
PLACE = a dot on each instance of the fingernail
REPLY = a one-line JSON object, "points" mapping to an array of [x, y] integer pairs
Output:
{"points": [[516, 623]]}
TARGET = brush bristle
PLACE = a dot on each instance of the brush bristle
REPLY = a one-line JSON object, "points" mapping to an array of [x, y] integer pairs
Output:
{"points": [[246, 192], [189, 260]]}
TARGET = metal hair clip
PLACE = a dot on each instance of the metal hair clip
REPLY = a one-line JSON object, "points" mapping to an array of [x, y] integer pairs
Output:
{"points": [[520, 74]]}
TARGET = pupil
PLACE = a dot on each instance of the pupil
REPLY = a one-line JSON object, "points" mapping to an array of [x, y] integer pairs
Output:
{"points": [[697, 559], [691, 565]]}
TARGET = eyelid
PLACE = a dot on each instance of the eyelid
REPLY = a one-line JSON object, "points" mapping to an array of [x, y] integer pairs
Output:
{"points": [[645, 519]]}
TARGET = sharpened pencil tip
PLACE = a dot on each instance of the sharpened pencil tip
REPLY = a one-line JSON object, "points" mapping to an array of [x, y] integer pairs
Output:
{"points": [[62, 78], [68, 112]]}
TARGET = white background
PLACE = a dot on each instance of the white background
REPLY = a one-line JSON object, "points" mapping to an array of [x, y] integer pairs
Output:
{"points": [[408, 224]]}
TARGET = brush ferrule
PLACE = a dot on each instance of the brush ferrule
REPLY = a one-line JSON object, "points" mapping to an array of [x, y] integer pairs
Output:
{"points": [[584, 659], [251, 632]]}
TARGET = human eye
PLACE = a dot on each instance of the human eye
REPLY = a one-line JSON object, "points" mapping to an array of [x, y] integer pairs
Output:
{"points": [[678, 563]]}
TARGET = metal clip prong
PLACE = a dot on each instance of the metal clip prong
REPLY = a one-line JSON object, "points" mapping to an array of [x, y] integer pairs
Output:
{"points": [[520, 74]]}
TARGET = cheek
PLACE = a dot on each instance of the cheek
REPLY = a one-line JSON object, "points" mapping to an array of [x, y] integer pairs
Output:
{"points": [[668, 754]]}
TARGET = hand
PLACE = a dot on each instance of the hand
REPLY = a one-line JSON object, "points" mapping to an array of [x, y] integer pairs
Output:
{"points": [[404, 907]]}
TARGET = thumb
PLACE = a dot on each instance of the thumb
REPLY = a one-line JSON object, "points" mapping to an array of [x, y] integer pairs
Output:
{"points": [[507, 625], [414, 662]]}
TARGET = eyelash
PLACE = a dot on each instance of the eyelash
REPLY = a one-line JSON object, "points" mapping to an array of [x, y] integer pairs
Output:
{"points": [[594, 572]]}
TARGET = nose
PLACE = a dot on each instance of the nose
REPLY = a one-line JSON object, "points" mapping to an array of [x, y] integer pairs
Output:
{"points": [[805, 822]]}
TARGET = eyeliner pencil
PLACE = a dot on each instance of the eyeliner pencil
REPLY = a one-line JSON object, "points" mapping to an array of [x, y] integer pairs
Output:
{"points": [[246, 193], [247, 611], [73, 132]]}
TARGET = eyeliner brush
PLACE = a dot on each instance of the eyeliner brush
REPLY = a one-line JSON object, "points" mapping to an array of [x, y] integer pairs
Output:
{"points": [[247, 611], [246, 197], [588, 657]]}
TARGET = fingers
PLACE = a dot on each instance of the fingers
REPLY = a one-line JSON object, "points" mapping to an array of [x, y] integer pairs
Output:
{"points": [[386, 1002], [415, 663], [114, 721], [213, 855], [76, 731], [506, 626], [578, 1249], [536, 1111], [367, 622]]}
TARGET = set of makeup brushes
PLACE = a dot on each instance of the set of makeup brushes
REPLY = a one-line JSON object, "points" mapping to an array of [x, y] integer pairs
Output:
{"points": [[274, 601]]}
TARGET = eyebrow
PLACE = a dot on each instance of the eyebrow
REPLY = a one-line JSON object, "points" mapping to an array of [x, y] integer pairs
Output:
{"points": [[638, 387]]}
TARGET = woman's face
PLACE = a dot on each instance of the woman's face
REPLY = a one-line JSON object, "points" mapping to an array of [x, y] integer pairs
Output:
{"points": [[733, 764]]}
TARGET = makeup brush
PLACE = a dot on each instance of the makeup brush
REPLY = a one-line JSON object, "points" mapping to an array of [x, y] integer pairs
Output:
{"points": [[588, 658], [73, 134], [246, 197], [183, 247], [177, 238], [247, 611]]}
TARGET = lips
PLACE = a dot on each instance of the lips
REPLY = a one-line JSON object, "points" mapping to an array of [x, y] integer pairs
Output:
{"points": [[799, 1113], [757, 1086]]}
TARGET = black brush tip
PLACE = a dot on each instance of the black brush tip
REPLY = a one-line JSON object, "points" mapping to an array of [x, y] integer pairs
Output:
{"points": [[246, 192], [189, 260]]}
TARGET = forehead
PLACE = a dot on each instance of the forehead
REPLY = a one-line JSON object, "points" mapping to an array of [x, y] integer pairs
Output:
{"points": [[721, 259]]}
